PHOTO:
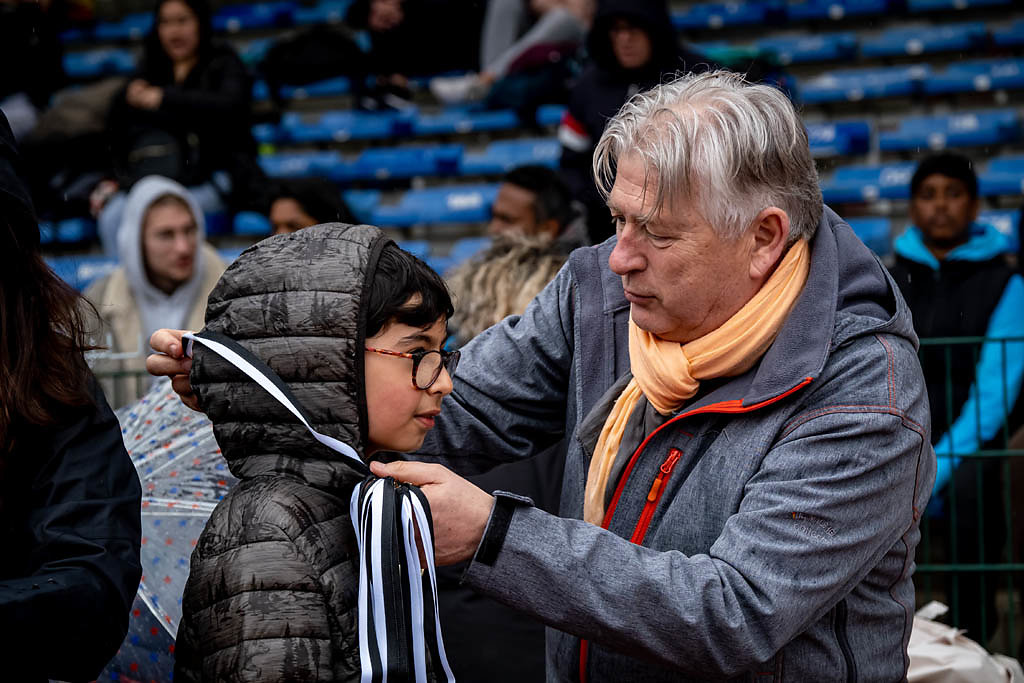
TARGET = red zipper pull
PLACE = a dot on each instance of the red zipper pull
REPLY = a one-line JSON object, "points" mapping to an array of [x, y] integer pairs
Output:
{"points": [[666, 469]]}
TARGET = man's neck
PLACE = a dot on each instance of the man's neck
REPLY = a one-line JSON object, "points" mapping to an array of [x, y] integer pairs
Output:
{"points": [[165, 285]]}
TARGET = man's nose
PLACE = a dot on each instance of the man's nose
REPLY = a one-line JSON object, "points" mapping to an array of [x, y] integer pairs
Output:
{"points": [[625, 257]]}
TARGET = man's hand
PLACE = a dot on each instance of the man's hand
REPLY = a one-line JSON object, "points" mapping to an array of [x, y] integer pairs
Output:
{"points": [[142, 95], [459, 508], [170, 361]]}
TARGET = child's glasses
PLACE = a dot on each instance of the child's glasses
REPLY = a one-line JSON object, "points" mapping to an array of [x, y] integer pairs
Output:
{"points": [[426, 365]]}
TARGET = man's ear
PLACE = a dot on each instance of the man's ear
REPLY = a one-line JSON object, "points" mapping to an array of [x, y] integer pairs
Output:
{"points": [[769, 233], [549, 228]]}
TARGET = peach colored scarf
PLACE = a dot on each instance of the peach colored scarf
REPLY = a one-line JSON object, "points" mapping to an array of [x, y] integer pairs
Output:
{"points": [[669, 373]]}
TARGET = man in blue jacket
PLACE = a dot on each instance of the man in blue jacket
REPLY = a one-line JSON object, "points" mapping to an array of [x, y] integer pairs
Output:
{"points": [[956, 277]]}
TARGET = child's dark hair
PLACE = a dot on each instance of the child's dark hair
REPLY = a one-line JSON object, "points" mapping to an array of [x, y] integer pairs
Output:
{"points": [[399, 277]]}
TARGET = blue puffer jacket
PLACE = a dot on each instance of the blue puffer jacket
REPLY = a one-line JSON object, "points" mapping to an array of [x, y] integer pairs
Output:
{"points": [[779, 542]]}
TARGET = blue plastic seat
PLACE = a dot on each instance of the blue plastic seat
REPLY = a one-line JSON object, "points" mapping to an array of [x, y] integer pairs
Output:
{"points": [[977, 76], [924, 40], [67, 231], [418, 248], [846, 138], [550, 114], [720, 14], [854, 184], [940, 5], [468, 247], [405, 162], [325, 12], [863, 84], [301, 164], [503, 155], [130, 27], [835, 10], [362, 203], [825, 47], [251, 224], [338, 126], [457, 204], [1010, 36], [1006, 221], [874, 232], [1004, 176], [234, 18], [81, 271], [330, 87], [254, 51], [968, 129], [464, 121], [99, 62]]}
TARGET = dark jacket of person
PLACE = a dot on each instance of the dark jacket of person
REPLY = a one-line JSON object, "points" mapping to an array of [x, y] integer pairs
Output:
{"points": [[70, 524], [30, 51], [274, 577]]}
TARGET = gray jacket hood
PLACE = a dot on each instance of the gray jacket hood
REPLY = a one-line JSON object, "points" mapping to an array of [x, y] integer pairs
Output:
{"points": [[156, 308], [298, 303]]}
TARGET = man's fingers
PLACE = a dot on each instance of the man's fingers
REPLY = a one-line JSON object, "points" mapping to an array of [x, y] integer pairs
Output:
{"points": [[159, 365], [415, 473], [168, 342]]}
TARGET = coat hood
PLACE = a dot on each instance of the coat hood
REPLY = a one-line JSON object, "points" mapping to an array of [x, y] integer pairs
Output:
{"points": [[298, 303], [15, 201], [156, 308], [985, 242], [653, 17]]}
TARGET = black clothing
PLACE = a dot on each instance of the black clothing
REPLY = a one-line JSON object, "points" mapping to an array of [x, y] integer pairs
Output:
{"points": [[30, 52]]}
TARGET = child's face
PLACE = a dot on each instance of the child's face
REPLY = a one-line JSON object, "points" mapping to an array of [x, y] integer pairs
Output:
{"points": [[400, 415]]}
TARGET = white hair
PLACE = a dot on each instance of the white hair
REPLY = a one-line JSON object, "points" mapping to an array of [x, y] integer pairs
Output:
{"points": [[731, 148]]}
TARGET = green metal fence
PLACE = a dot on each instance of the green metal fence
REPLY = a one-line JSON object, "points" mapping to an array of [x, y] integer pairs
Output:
{"points": [[969, 556]]}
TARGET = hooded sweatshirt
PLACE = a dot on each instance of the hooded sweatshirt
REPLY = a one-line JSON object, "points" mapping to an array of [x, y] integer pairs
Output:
{"points": [[972, 292], [272, 591]]}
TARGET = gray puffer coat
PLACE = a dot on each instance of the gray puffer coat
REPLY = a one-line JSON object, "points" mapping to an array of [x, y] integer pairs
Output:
{"points": [[272, 590]]}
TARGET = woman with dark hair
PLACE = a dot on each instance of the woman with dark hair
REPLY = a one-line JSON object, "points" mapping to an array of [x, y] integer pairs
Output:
{"points": [[185, 115], [69, 495]]}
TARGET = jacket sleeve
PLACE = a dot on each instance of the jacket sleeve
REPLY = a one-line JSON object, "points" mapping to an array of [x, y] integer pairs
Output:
{"points": [[511, 386], [221, 106], [996, 386], [85, 538], [806, 532]]}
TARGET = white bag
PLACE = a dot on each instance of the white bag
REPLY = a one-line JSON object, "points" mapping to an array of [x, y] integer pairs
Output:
{"points": [[943, 654]]}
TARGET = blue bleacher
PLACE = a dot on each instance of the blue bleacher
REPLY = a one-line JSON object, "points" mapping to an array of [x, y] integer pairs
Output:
{"points": [[825, 47], [362, 203], [130, 27], [502, 156], [1003, 176], [836, 10], [1009, 36], [968, 129], [1006, 221], [457, 204], [874, 232], [923, 40], [550, 114], [253, 52], [251, 224], [331, 87], [720, 14], [418, 248], [81, 271], [863, 84], [337, 126], [405, 162], [943, 5], [325, 12], [846, 138], [99, 62], [977, 76], [464, 121], [67, 231], [868, 183], [234, 18], [301, 164]]}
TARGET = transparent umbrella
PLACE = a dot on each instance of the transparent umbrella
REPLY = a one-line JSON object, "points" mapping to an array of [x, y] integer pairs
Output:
{"points": [[183, 477]]}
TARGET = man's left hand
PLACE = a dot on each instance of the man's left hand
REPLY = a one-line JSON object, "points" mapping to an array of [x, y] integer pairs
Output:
{"points": [[459, 508]]}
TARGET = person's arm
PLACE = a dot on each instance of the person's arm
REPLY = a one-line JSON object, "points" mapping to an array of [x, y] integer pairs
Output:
{"points": [[85, 538], [996, 385]]}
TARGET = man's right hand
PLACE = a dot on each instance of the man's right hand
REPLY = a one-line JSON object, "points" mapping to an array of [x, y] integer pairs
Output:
{"points": [[170, 361]]}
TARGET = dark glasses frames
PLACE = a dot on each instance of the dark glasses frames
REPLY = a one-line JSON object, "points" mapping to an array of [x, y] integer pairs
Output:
{"points": [[426, 365]]}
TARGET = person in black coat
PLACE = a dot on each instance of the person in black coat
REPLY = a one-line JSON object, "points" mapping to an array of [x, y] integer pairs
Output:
{"points": [[70, 499]]}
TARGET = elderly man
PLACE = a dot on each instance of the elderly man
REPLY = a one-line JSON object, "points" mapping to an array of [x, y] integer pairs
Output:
{"points": [[745, 418]]}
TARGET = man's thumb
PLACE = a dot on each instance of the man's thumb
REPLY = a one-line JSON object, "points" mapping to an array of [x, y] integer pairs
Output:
{"points": [[408, 472]]}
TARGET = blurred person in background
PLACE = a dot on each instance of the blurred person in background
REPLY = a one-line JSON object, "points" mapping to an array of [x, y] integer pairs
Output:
{"points": [[28, 39], [533, 201], [956, 277], [303, 202], [167, 271], [69, 495], [185, 115]]}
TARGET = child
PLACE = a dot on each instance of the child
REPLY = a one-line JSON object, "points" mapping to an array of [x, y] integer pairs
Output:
{"points": [[354, 326]]}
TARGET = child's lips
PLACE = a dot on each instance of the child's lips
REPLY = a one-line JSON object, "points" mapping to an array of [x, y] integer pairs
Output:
{"points": [[427, 419]]}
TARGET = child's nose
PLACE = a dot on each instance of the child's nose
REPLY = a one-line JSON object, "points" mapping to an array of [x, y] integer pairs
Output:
{"points": [[443, 385]]}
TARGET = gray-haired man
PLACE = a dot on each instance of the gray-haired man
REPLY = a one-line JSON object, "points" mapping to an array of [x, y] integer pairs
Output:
{"points": [[745, 418]]}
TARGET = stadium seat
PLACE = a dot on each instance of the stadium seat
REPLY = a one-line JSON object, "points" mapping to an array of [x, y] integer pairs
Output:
{"points": [[468, 247], [550, 114], [99, 62], [1003, 176], [868, 183], [720, 14], [302, 164], [968, 129], [81, 271], [130, 27], [339, 126], [330, 87], [919, 40], [1009, 36], [456, 204], [253, 52], [1006, 221], [418, 248], [942, 5], [863, 84], [251, 224], [404, 162], [67, 231], [846, 138], [825, 47], [977, 76], [362, 203], [264, 15], [835, 10], [874, 232], [464, 121], [502, 156], [325, 12]]}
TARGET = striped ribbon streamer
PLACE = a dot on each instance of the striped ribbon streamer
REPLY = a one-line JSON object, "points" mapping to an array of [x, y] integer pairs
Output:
{"points": [[398, 614]]}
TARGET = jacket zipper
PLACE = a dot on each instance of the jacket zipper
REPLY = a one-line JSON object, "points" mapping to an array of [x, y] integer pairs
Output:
{"points": [[844, 642], [654, 495]]}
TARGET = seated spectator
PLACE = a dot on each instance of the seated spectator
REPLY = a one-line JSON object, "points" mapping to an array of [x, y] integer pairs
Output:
{"points": [[185, 116], [28, 39], [955, 276], [632, 47], [167, 270], [303, 202], [69, 494], [533, 201]]}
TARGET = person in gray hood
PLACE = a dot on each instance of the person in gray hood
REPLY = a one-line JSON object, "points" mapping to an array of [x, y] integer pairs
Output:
{"points": [[746, 425]]}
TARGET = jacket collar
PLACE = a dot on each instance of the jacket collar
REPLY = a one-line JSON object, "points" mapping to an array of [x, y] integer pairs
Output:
{"points": [[985, 242]]}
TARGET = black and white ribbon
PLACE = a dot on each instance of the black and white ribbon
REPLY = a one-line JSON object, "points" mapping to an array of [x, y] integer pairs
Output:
{"points": [[398, 615]]}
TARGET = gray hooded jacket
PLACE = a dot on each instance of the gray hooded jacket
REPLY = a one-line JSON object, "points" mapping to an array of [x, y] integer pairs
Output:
{"points": [[272, 590], [778, 547]]}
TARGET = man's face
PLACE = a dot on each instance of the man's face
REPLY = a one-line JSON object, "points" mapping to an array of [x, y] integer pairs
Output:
{"points": [[943, 209], [630, 43], [681, 280], [169, 241], [385, 15], [287, 215], [513, 212]]}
